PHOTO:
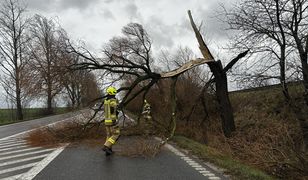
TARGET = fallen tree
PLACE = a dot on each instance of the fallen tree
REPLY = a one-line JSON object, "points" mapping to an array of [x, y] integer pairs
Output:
{"points": [[130, 55]]}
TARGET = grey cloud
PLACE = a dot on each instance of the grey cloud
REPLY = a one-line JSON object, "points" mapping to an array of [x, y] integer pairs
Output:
{"points": [[37, 4], [211, 19], [132, 10], [160, 32], [51, 5], [108, 1], [79, 4], [107, 14]]}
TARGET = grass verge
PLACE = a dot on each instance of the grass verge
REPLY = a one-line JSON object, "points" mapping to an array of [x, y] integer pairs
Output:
{"points": [[235, 168], [8, 116]]}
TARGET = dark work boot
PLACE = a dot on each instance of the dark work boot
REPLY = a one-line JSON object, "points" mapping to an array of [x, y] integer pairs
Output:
{"points": [[107, 150]]}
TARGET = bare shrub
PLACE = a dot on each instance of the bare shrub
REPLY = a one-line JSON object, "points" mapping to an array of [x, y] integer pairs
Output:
{"points": [[140, 147], [64, 133]]}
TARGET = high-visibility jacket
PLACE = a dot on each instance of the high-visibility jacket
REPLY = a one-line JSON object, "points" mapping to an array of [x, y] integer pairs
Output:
{"points": [[110, 111], [146, 108]]}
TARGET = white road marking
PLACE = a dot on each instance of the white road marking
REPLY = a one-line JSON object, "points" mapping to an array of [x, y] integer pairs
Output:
{"points": [[191, 162], [206, 171], [18, 151], [201, 169], [214, 178], [41, 165], [9, 143], [17, 168], [196, 166], [12, 145], [6, 139], [16, 177], [1, 150], [23, 160], [25, 154], [208, 174]]}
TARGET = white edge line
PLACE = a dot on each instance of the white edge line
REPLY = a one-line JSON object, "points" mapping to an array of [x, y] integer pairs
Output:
{"points": [[186, 158], [42, 164]]}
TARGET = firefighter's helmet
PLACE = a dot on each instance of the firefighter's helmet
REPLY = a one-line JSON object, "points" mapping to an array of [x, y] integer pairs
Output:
{"points": [[111, 90]]}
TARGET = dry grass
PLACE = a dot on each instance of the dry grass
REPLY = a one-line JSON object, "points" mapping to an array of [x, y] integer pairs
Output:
{"points": [[63, 133], [140, 147]]}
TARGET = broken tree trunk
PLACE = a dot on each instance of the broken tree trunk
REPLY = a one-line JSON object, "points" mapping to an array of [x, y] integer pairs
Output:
{"points": [[226, 112]]}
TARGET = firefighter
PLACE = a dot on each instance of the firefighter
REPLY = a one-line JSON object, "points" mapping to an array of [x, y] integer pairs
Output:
{"points": [[146, 111], [111, 119]]}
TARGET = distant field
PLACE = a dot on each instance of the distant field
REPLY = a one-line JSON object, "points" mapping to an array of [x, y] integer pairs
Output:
{"points": [[8, 116]]}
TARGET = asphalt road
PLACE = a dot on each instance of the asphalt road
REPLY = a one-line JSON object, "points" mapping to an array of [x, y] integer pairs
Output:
{"points": [[83, 162], [11, 129]]}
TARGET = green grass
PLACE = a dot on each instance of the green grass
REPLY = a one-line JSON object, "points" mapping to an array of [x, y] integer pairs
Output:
{"points": [[235, 168], [8, 116]]}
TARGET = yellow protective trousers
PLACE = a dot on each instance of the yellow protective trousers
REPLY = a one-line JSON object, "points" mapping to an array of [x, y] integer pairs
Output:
{"points": [[113, 134]]}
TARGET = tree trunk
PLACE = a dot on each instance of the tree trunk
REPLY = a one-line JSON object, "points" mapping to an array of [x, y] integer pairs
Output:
{"points": [[305, 75], [173, 105], [283, 83], [18, 101], [226, 112], [49, 97], [17, 81]]}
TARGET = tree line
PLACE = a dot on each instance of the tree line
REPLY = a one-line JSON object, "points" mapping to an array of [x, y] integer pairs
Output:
{"points": [[35, 63]]}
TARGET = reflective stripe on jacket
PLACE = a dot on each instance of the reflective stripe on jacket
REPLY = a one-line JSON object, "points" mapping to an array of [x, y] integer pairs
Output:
{"points": [[110, 109]]}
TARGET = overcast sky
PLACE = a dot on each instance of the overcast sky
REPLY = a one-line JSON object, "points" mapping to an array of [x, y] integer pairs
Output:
{"points": [[97, 21]]}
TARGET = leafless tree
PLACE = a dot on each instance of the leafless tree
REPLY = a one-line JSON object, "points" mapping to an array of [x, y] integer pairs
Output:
{"points": [[260, 26], [80, 86], [13, 41], [296, 22], [273, 26], [126, 55], [45, 58]]}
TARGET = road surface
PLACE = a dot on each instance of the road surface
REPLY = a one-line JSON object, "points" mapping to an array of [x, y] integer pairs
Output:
{"points": [[80, 162]]}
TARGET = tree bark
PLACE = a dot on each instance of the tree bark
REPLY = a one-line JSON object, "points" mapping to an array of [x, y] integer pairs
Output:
{"points": [[18, 99], [226, 112], [283, 83], [173, 105], [220, 75], [305, 76]]}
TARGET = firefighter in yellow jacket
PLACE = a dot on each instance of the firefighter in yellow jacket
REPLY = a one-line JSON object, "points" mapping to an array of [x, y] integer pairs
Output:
{"points": [[111, 119], [146, 112]]}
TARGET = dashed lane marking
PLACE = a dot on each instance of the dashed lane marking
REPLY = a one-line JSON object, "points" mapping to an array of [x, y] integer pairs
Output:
{"points": [[201, 169]]}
